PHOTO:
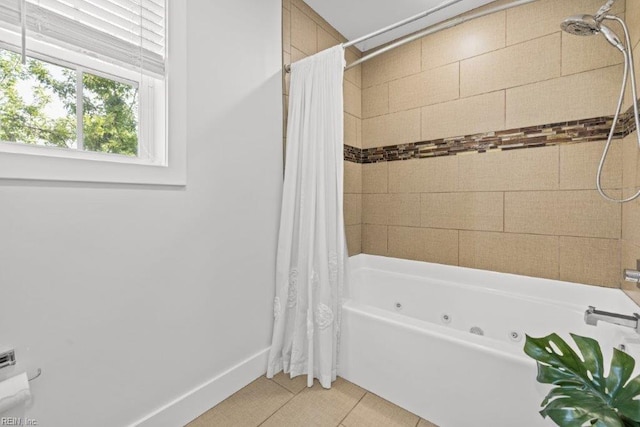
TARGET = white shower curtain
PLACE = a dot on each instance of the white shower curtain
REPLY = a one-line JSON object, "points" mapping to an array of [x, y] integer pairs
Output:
{"points": [[312, 254]]}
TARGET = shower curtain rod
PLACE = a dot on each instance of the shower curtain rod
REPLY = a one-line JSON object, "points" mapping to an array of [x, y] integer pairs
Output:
{"points": [[402, 23], [428, 31]]}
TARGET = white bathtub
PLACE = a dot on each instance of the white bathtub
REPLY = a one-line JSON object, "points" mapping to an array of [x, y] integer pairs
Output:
{"points": [[406, 337]]}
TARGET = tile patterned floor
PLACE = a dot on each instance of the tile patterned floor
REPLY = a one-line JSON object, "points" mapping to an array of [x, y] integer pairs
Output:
{"points": [[283, 402]]}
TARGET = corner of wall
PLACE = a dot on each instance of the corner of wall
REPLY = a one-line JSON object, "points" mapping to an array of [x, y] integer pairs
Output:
{"points": [[305, 33], [198, 400]]}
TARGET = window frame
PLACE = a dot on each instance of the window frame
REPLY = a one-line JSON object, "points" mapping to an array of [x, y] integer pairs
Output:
{"points": [[30, 162]]}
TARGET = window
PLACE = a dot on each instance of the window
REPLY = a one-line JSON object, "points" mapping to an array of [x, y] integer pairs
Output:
{"points": [[50, 105], [85, 80]]}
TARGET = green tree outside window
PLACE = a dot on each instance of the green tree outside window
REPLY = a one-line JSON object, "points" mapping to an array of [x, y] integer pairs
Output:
{"points": [[38, 106]]}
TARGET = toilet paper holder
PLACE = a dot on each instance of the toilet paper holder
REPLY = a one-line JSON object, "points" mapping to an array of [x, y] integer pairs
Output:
{"points": [[8, 358]]}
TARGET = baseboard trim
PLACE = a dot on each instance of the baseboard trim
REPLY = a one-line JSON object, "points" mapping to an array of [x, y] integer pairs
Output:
{"points": [[190, 405]]}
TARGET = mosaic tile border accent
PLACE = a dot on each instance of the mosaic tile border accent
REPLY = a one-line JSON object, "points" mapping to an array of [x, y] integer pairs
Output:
{"points": [[594, 129]]}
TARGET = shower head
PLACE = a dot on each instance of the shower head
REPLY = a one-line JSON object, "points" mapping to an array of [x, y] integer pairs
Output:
{"points": [[587, 25], [581, 25], [612, 37]]}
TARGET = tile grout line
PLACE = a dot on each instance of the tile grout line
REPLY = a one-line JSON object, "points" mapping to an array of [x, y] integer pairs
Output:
{"points": [[422, 54], [497, 89], [281, 406], [572, 190], [622, 239], [276, 382], [559, 254], [506, 26], [459, 82], [354, 407], [269, 416], [458, 250], [387, 250], [388, 97], [496, 232], [459, 98], [504, 111], [277, 410], [322, 22], [422, 122], [467, 58], [511, 87], [559, 167], [504, 212], [562, 35]]}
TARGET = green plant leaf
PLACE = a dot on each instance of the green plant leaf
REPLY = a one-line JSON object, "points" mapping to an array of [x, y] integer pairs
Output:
{"points": [[621, 369], [581, 393], [593, 361]]}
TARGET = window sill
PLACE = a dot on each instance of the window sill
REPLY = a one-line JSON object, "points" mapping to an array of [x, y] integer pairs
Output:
{"points": [[19, 166]]}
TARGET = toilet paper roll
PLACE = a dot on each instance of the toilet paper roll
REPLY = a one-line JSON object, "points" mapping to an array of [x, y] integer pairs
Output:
{"points": [[13, 392]]}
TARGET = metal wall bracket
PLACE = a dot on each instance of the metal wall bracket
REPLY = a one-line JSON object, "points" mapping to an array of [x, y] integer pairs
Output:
{"points": [[633, 276], [7, 358]]}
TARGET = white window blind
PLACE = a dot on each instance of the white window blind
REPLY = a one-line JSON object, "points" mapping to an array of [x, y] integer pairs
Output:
{"points": [[129, 32]]}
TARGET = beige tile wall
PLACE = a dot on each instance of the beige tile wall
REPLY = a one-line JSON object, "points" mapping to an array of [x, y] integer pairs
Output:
{"points": [[306, 33], [510, 69], [534, 212], [631, 211], [631, 172], [506, 212], [634, 10]]}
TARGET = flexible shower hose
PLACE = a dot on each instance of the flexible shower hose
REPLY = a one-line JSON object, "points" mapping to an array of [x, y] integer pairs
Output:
{"points": [[629, 68]]}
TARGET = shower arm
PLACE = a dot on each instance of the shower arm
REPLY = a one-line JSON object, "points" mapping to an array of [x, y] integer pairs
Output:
{"points": [[629, 68], [602, 12]]}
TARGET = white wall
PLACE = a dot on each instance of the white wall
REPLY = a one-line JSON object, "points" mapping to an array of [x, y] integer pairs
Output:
{"points": [[129, 297]]}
